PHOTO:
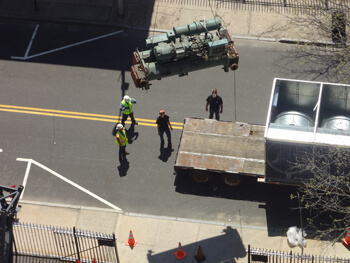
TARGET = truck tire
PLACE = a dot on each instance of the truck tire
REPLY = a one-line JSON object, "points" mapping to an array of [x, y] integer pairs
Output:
{"points": [[231, 180], [201, 177]]}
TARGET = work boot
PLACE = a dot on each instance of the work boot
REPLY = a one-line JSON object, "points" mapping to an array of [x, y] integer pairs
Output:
{"points": [[135, 123], [127, 153]]}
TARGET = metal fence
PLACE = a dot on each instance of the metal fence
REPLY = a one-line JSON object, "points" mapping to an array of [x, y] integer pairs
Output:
{"points": [[63, 244], [262, 255], [279, 6]]}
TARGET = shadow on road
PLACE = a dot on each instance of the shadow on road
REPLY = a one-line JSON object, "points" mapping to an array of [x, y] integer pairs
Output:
{"points": [[123, 168], [281, 211], [165, 153], [222, 248]]}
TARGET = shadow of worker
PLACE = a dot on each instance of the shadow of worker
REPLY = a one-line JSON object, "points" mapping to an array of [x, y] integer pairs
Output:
{"points": [[131, 134], [123, 168], [165, 153]]}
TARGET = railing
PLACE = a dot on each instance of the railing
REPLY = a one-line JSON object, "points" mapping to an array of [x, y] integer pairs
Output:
{"points": [[279, 6], [264, 255], [64, 244]]}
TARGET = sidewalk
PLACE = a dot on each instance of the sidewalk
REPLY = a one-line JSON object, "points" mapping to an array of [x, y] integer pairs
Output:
{"points": [[158, 237], [156, 15]]}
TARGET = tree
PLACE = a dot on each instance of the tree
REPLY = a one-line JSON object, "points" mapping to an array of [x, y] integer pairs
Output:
{"points": [[326, 191], [322, 45]]}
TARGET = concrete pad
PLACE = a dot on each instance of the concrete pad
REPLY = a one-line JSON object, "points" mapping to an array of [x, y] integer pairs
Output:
{"points": [[170, 233], [48, 215], [190, 14], [143, 229], [97, 220], [165, 16]]}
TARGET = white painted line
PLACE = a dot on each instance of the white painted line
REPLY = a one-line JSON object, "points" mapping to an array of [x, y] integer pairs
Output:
{"points": [[31, 40], [71, 183], [68, 46], [25, 179]]}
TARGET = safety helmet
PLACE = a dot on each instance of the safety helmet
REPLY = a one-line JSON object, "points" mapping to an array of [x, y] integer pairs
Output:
{"points": [[126, 98], [161, 111], [120, 126], [214, 91]]}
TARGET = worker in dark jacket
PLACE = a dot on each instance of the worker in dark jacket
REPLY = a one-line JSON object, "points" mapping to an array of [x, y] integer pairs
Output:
{"points": [[215, 103], [163, 125]]}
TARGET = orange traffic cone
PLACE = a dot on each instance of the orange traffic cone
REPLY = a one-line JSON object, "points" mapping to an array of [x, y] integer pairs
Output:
{"points": [[346, 240], [131, 241], [200, 256], [77, 261], [180, 253], [94, 260]]}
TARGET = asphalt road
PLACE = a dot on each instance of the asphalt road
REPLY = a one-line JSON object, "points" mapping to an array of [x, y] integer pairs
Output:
{"points": [[60, 91]]}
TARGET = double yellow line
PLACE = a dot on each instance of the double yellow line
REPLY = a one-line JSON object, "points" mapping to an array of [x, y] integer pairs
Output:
{"points": [[79, 115]]}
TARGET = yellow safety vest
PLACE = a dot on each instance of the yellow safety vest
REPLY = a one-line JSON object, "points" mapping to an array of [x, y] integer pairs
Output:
{"points": [[122, 137], [128, 107]]}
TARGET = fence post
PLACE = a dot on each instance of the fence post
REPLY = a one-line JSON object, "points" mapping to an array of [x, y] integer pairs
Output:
{"points": [[76, 243], [115, 247], [248, 253]]}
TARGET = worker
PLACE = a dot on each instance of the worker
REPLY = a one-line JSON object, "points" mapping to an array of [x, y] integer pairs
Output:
{"points": [[126, 109], [163, 125], [122, 140], [215, 103]]}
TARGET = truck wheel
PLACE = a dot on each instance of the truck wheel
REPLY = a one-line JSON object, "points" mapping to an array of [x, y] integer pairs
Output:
{"points": [[201, 177], [231, 179]]}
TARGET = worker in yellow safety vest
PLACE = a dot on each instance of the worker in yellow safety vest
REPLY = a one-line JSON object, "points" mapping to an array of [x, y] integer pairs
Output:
{"points": [[126, 109], [122, 140]]}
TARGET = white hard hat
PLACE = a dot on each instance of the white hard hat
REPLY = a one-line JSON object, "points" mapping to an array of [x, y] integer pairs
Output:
{"points": [[120, 126], [126, 98]]}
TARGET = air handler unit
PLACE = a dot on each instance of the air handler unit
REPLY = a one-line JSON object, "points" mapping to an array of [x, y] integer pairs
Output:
{"points": [[192, 47]]}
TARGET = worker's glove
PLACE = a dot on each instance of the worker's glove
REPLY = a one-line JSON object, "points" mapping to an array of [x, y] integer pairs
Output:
{"points": [[133, 101], [122, 107]]}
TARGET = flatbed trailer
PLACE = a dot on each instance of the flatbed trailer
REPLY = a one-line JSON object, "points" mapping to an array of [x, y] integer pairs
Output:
{"points": [[302, 115], [220, 148]]}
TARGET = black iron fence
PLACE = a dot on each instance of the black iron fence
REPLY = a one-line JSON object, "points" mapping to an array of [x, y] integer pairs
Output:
{"points": [[63, 244], [264, 255]]}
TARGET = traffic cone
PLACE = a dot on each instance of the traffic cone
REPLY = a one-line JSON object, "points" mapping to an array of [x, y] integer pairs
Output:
{"points": [[131, 241], [180, 253], [77, 261], [346, 240], [94, 260], [200, 256]]}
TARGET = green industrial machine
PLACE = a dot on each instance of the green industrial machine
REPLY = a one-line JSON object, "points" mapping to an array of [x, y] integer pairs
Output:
{"points": [[192, 47]]}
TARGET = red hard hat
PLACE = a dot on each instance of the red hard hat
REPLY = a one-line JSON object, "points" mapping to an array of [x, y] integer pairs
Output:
{"points": [[161, 111], [215, 90]]}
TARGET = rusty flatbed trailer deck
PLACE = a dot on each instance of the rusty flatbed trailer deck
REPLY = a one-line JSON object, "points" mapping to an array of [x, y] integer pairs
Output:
{"points": [[222, 147]]}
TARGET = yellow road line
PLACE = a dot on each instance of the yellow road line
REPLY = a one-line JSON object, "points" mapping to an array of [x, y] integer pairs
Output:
{"points": [[75, 115]]}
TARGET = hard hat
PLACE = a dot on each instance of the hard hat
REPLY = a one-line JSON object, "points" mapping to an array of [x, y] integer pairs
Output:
{"points": [[161, 111], [215, 91], [120, 126], [126, 98]]}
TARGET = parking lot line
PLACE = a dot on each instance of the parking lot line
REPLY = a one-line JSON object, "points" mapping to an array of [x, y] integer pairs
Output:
{"points": [[26, 57]]}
